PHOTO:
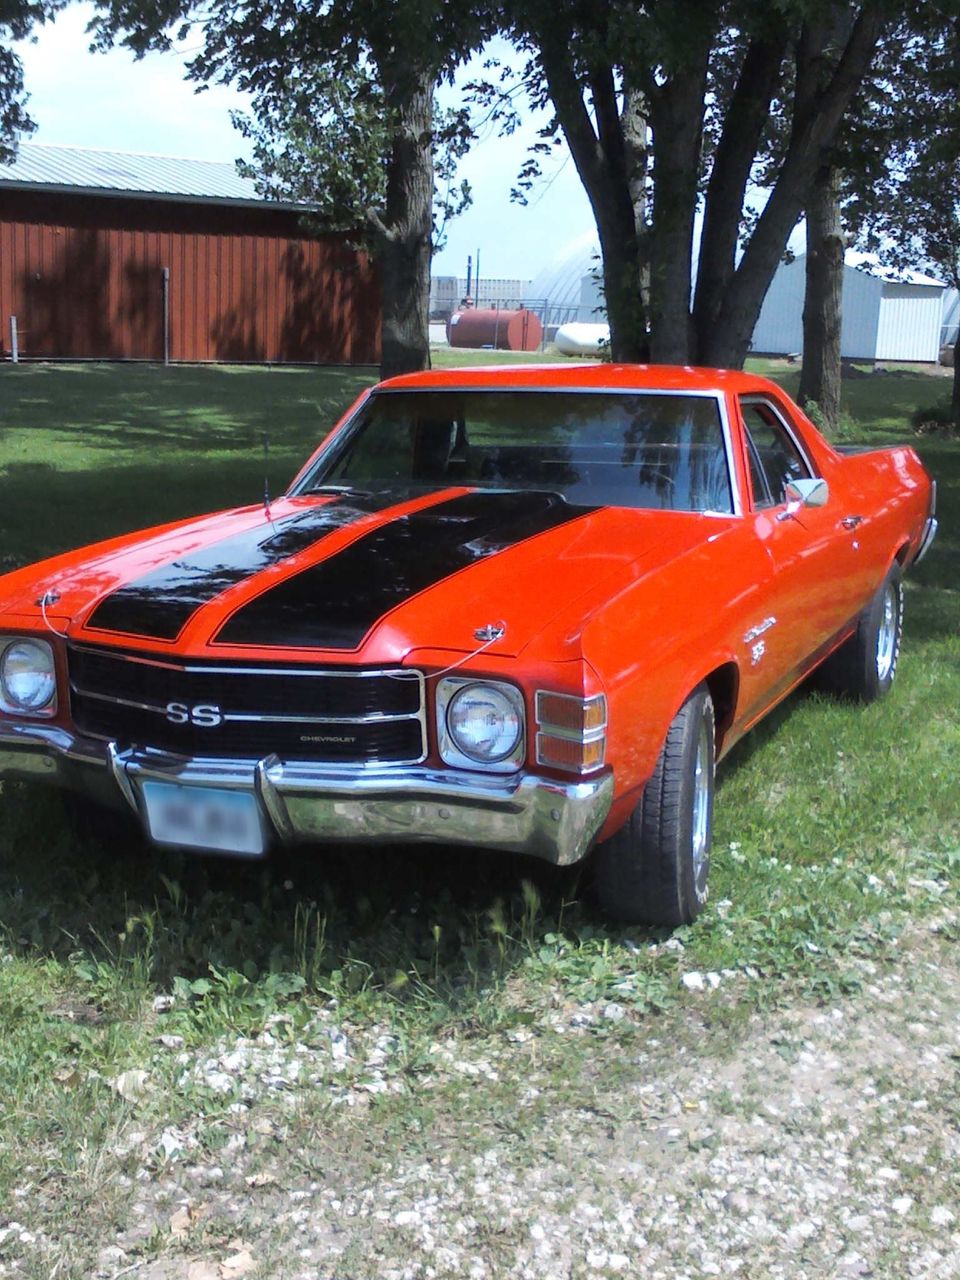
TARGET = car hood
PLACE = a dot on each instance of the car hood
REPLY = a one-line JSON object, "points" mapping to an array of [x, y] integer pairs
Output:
{"points": [[360, 576]]}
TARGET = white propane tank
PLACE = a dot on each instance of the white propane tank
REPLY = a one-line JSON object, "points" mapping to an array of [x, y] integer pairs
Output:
{"points": [[581, 339]]}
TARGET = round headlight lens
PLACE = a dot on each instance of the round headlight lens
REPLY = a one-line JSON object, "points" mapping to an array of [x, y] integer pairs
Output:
{"points": [[484, 722], [28, 678]]}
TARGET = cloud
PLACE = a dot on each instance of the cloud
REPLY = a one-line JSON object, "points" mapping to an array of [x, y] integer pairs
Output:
{"points": [[111, 101]]}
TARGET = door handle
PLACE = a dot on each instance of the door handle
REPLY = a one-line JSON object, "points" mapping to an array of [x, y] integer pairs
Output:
{"points": [[851, 522]]}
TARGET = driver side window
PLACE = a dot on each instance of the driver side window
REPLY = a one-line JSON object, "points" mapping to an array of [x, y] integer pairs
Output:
{"points": [[774, 458]]}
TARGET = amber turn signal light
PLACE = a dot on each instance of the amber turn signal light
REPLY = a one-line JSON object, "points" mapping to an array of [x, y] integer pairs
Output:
{"points": [[572, 731]]}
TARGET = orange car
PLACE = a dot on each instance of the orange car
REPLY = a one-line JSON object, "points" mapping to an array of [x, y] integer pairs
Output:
{"points": [[524, 609]]}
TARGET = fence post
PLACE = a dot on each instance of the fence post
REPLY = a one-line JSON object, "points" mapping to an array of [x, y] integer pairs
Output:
{"points": [[166, 314], [14, 341]]}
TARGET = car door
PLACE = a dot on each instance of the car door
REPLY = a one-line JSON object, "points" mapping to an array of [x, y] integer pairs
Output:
{"points": [[814, 557]]}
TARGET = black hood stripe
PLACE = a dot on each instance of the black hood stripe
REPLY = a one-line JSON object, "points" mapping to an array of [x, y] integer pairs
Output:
{"points": [[160, 604], [335, 603]]}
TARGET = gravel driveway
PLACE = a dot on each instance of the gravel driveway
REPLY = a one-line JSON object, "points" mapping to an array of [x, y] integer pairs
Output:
{"points": [[713, 1140]]}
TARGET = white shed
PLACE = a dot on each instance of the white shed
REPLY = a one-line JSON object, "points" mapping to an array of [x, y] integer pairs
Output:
{"points": [[951, 318], [887, 315]]}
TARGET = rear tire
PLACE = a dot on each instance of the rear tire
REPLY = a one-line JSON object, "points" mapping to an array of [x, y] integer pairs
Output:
{"points": [[654, 869], [865, 666]]}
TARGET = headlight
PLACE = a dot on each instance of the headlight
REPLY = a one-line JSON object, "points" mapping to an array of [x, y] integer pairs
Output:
{"points": [[28, 677], [480, 723]]}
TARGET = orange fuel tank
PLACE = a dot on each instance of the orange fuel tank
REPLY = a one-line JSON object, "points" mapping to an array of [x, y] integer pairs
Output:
{"points": [[518, 330]]}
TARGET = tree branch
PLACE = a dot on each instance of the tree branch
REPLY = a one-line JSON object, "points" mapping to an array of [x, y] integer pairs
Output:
{"points": [[812, 134], [380, 230], [744, 122]]}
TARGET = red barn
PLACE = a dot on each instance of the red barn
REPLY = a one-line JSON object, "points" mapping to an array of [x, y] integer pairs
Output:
{"points": [[112, 256]]}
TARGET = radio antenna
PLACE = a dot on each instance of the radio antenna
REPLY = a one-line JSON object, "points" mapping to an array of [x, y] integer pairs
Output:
{"points": [[266, 476]]}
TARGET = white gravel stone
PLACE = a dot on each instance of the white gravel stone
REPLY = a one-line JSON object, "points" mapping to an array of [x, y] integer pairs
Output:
{"points": [[171, 1143]]}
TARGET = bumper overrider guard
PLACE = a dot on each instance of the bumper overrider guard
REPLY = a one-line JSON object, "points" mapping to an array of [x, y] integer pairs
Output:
{"points": [[929, 533], [303, 802]]}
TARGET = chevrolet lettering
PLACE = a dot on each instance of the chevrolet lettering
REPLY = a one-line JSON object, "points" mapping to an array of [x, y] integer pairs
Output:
{"points": [[524, 609]]}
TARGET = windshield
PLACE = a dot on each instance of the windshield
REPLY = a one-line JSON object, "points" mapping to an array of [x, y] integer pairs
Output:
{"points": [[631, 449]]}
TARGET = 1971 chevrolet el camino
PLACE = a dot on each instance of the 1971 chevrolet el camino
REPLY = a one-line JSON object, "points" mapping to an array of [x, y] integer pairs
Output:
{"points": [[525, 609]]}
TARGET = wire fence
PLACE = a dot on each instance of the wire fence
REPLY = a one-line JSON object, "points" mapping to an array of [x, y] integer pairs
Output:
{"points": [[550, 314]]}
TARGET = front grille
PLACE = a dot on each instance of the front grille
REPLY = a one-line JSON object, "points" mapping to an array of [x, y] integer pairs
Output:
{"points": [[335, 716]]}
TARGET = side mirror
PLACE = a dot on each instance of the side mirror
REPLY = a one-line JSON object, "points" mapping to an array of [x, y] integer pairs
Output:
{"points": [[807, 493]]}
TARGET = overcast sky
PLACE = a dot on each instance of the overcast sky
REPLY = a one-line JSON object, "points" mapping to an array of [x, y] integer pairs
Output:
{"points": [[110, 101]]}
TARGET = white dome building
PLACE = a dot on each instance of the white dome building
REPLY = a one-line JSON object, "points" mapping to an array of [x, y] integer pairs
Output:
{"points": [[571, 287]]}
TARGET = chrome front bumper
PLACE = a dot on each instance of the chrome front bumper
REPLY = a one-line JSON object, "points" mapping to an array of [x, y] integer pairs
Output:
{"points": [[302, 802]]}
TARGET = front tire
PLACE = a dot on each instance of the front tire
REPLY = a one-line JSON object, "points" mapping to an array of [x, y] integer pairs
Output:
{"points": [[865, 666], [654, 870]]}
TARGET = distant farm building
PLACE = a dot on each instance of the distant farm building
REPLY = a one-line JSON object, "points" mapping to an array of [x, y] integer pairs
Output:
{"points": [[106, 255], [571, 287], [887, 315], [447, 292]]}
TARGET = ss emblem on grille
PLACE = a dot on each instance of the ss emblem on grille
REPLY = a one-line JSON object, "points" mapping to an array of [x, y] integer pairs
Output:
{"points": [[204, 715]]}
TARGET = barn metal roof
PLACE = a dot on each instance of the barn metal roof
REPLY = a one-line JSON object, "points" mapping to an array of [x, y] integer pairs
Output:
{"points": [[42, 166]]}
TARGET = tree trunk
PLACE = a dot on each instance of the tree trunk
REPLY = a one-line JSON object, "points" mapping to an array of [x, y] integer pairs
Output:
{"points": [[816, 118], [677, 115], [746, 118], [822, 301], [606, 155], [622, 294], [403, 236]]}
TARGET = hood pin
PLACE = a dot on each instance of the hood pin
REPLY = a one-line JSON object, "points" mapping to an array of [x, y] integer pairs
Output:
{"points": [[491, 632]]}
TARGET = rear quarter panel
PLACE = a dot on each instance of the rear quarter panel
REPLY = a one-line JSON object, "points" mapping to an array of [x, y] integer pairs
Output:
{"points": [[891, 489]]}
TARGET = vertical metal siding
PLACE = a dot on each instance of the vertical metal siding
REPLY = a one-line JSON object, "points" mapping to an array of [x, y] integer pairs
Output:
{"points": [[910, 322], [82, 274], [779, 329], [861, 314]]}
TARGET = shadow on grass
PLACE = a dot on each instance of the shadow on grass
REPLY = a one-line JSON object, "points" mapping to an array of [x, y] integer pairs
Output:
{"points": [[46, 511], [117, 399], [409, 922], [84, 418]]}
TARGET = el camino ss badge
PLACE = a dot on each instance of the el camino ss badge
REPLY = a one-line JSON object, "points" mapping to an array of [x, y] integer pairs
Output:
{"points": [[203, 715], [758, 647]]}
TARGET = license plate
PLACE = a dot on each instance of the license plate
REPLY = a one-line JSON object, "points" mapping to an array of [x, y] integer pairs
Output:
{"points": [[204, 818]]}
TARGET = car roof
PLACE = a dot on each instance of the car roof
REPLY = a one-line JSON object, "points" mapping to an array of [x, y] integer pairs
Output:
{"points": [[574, 376]]}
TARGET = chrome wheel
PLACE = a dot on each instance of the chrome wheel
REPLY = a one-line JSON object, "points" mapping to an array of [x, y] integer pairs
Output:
{"points": [[702, 791], [887, 631]]}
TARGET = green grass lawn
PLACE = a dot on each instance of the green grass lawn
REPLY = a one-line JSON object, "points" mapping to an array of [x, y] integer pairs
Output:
{"points": [[836, 826], [90, 450]]}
